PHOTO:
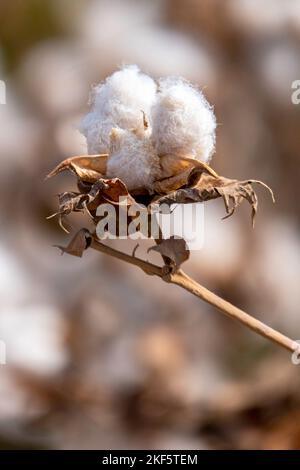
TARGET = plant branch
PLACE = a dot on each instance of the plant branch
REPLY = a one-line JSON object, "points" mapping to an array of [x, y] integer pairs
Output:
{"points": [[183, 280], [147, 267]]}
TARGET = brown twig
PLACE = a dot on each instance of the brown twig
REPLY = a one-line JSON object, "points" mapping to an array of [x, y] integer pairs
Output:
{"points": [[147, 267], [183, 280]]}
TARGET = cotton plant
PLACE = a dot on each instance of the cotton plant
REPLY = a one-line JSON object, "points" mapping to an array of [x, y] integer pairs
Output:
{"points": [[151, 142], [154, 138]]}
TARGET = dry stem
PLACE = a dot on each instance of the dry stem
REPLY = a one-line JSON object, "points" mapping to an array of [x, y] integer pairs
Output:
{"points": [[183, 280]]}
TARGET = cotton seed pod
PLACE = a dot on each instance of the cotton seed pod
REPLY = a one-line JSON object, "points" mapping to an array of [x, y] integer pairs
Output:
{"points": [[118, 102], [147, 132], [132, 158], [183, 123]]}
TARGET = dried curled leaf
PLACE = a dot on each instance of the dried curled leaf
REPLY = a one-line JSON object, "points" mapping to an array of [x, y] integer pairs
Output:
{"points": [[104, 190], [183, 180], [174, 249], [175, 164], [115, 190], [87, 167], [80, 242], [176, 172], [207, 187]]}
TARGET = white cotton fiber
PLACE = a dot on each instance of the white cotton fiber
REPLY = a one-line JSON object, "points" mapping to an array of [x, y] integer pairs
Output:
{"points": [[118, 102], [183, 121], [132, 159]]}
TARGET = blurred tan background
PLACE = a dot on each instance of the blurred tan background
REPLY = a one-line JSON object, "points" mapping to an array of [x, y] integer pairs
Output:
{"points": [[98, 354]]}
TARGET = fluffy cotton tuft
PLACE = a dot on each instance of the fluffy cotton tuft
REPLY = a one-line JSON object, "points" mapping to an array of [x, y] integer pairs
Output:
{"points": [[132, 159], [118, 102], [183, 121]]}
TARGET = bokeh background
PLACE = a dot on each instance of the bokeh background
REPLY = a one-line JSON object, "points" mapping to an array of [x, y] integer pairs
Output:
{"points": [[98, 354]]}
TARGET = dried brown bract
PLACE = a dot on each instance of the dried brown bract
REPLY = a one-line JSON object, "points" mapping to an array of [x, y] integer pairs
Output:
{"points": [[185, 181], [174, 249]]}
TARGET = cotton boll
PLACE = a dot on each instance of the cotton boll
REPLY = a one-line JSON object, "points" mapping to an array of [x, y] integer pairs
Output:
{"points": [[95, 132], [132, 158], [183, 121], [127, 87], [117, 103]]}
